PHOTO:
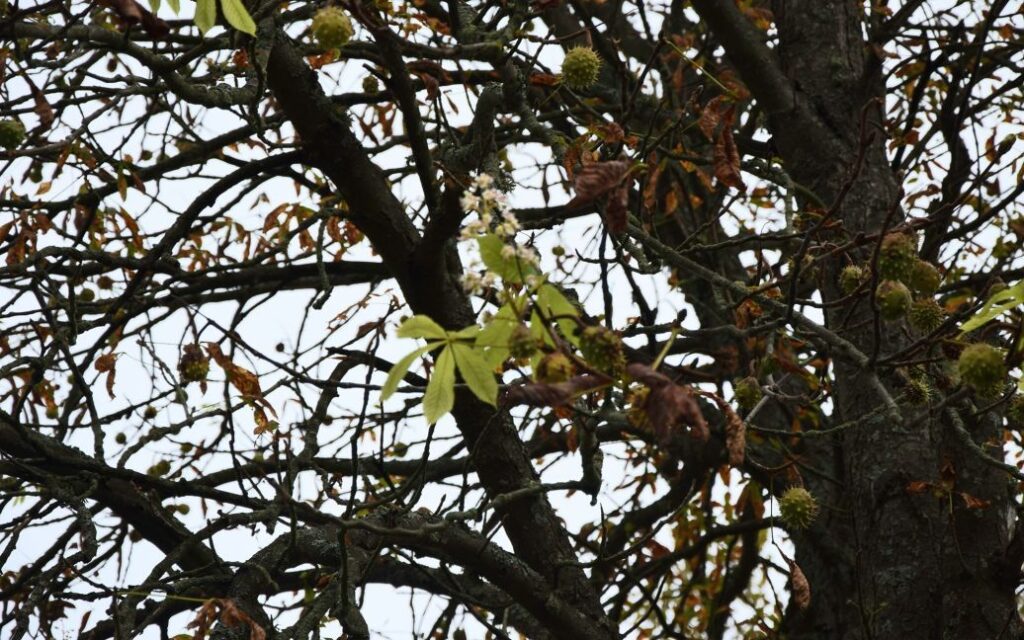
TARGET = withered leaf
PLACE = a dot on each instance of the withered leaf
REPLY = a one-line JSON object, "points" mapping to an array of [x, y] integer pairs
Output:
{"points": [[107, 363], [669, 405], [616, 212], [727, 160], [735, 430], [597, 179], [552, 394], [800, 586]]}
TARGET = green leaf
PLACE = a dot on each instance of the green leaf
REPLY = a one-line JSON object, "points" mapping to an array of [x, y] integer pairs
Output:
{"points": [[477, 374], [421, 326], [237, 16], [493, 338], [440, 396], [553, 304], [508, 269], [498, 329], [995, 306], [399, 369], [206, 15], [154, 5], [175, 6], [469, 332]]}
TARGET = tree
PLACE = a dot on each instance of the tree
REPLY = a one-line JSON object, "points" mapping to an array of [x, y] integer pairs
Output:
{"points": [[592, 319]]}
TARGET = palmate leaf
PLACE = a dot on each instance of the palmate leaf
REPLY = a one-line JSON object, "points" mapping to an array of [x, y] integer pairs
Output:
{"points": [[420, 326], [997, 304], [553, 304], [493, 338], [440, 395], [234, 12], [479, 376], [237, 16], [206, 15], [399, 369], [508, 269]]}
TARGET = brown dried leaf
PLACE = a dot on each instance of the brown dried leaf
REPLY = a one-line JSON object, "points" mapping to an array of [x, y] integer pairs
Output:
{"points": [[727, 160], [596, 179], [552, 395], [610, 133], [42, 106], [107, 363], [204, 619], [230, 616], [242, 379], [431, 84], [668, 404], [800, 586], [616, 212], [918, 486], [710, 117], [973, 502], [544, 80], [735, 430], [131, 13]]}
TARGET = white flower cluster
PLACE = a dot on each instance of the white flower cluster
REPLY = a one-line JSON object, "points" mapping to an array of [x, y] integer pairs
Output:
{"points": [[492, 208], [475, 283], [494, 216]]}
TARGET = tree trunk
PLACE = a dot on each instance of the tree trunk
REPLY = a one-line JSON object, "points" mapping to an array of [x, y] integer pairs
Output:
{"points": [[886, 560]]}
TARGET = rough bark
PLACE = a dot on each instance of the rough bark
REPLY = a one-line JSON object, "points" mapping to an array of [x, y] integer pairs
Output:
{"points": [[884, 562]]}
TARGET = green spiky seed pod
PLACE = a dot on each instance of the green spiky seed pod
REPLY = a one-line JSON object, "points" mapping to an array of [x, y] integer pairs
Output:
{"points": [[331, 27], [798, 508], [161, 468], [748, 392], [554, 368], [636, 414], [105, 283], [917, 391], [371, 85], [12, 133], [925, 278], [982, 368], [894, 300], [897, 257], [1015, 412], [952, 348], [149, 412], [193, 366], [86, 295], [120, 438], [52, 412], [602, 349], [522, 344], [580, 68], [850, 278], [926, 315]]}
